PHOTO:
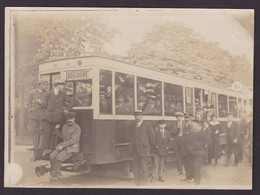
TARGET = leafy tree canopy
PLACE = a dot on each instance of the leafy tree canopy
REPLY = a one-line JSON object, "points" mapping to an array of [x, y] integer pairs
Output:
{"points": [[176, 49]]}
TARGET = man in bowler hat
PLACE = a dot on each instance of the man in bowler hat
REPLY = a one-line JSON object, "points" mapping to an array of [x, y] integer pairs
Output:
{"points": [[142, 139]]}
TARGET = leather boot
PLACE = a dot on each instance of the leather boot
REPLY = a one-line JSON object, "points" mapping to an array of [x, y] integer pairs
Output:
{"points": [[56, 170]]}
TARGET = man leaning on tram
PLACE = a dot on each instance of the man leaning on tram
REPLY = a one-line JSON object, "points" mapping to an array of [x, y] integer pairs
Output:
{"points": [[54, 117]]}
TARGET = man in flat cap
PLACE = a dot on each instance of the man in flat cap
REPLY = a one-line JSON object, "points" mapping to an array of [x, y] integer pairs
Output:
{"points": [[37, 108], [54, 115], [178, 131], [141, 140], [70, 135], [162, 141]]}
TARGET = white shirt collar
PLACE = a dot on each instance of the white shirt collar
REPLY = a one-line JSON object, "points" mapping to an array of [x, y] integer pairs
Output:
{"points": [[56, 91], [139, 124]]}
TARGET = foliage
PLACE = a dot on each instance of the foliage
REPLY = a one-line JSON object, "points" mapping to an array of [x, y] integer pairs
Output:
{"points": [[47, 38], [174, 48]]}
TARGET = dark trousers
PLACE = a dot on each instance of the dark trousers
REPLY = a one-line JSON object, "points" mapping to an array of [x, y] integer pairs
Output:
{"points": [[235, 147], [187, 166], [178, 155], [140, 169], [192, 165], [33, 126]]}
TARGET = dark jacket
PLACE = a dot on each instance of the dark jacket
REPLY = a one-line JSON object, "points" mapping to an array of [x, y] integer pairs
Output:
{"points": [[70, 136], [232, 132], [193, 141], [141, 140], [55, 107], [162, 142]]}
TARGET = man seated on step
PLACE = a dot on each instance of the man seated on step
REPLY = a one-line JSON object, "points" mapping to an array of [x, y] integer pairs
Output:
{"points": [[70, 135]]}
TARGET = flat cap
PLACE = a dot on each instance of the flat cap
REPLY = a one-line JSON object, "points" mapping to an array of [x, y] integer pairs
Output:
{"points": [[138, 112], [58, 82], [70, 115], [178, 114]]}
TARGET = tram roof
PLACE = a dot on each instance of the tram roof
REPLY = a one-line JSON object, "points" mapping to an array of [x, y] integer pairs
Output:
{"points": [[142, 67]]}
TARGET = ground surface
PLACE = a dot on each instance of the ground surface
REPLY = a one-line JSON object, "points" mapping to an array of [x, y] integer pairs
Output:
{"points": [[220, 176]]}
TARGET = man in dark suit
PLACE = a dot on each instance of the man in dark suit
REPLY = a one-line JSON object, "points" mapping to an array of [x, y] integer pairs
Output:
{"points": [[162, 141], [54, 116], [194, 142], [70, 135], [233, 141], [141, 140]]}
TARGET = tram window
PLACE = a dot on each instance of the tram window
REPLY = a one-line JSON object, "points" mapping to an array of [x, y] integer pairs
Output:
{"points": [[198, 104], [124, 93], [105, 90], [222, 105], [233, 105], [68, 89], [149, 96], [173, 99], [84, 93], [189, 100], [214, 101], [239, 106]]}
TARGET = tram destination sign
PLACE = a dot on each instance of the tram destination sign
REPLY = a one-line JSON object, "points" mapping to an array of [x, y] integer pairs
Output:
{"points": [[78, 75]]}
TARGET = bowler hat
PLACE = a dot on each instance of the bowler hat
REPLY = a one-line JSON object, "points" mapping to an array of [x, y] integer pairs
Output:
{"points": [[59, 82], [187, 115], [161, 122], [138, 112], [70, 115]]}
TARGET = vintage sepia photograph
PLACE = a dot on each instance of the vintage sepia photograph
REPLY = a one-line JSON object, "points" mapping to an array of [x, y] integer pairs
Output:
{"points": [[129, 98]]}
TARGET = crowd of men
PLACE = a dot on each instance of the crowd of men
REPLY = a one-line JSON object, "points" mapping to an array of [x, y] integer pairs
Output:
{"points": [[195, 140], [49, 111]]}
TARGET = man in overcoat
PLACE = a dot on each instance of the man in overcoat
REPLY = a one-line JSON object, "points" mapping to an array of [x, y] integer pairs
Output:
{"points": [[70, 135], [162, 141], [142, 139], [233, 141]]}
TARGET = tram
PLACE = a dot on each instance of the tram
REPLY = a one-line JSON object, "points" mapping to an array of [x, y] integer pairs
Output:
{"points": [[106, 93]]}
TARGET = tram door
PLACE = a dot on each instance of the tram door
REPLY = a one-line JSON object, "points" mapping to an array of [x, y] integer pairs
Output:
{"points": [[84, 118]]}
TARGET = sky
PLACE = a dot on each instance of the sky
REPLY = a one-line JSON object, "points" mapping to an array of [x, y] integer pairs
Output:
{"points": [[215, 25]]}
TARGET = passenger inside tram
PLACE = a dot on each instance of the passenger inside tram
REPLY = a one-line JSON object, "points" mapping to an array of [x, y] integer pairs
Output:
{"points": [[84, 94], [151, 108]]}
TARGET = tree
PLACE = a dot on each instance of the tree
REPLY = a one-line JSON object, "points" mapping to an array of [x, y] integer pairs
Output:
{"points": [[174, 48]]}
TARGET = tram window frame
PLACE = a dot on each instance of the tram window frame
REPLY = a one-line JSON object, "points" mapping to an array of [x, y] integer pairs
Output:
{"points": [[51, 78], [148, 96], [110, 84], [124, 94], [191, 108], [236, 106], [219, 107], [172, 95], [213, 94]]}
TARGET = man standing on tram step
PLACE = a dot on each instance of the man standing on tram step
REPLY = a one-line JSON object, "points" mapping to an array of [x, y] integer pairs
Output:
{"points": [[54, 116], [70, 135], [141, 140], [162, 141], [37, 108], [179, 129], [233, 142]]}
